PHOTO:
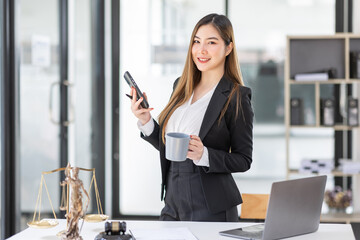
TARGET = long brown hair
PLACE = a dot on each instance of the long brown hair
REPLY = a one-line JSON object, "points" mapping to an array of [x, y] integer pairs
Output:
{"points": [[191, 76]]}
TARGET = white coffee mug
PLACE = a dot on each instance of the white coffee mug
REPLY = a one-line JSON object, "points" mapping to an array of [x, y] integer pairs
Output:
{"points": [[176, 146]]}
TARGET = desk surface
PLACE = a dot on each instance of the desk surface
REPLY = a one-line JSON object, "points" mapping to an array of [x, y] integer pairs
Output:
{"points": [[202, 230]]}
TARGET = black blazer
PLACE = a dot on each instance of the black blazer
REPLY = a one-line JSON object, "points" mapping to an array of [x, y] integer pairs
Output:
{"points": [[229, 146]]}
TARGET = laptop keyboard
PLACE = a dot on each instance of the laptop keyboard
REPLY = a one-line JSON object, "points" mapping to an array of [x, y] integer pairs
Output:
{"points": [[250, 232], [254, 231], [252, 235]]}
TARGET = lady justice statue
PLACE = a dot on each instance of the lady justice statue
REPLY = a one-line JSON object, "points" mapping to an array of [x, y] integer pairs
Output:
{"points": [[75, 209]]}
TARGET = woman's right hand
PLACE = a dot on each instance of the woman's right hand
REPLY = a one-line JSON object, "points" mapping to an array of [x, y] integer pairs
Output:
{"points": [[143, 114]]}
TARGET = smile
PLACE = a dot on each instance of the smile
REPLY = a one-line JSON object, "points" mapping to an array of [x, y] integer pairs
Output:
{"points": [[203, 60]]}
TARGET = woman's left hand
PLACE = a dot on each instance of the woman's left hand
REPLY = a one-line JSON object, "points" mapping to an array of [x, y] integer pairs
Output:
{"points": [[196, 148]]}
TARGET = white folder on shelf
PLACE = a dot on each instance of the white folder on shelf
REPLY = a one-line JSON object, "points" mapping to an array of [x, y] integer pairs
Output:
{"points": [[312, 77]]}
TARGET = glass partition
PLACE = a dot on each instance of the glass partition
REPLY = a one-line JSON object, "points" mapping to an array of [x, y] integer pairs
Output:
{"points": [[80, 94], [39, 97], [39, 87]]}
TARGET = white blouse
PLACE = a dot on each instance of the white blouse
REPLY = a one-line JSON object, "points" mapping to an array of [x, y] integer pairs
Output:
{"points": [[186, 119]]}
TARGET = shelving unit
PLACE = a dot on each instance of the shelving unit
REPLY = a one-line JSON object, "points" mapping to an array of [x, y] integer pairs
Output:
{"points": [[340, 218], [309, 54], [334, 173]]}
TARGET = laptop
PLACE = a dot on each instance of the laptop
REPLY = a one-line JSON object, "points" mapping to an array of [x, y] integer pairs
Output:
{"points": [[294, 209]]}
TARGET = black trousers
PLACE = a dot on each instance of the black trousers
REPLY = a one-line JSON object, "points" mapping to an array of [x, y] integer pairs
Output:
{"points": [[185, 199]]}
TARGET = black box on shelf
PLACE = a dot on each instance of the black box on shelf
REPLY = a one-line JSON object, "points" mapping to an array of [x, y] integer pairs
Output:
{"points": [[353, 112], [355, 65], [296, 111], [327, 112]]}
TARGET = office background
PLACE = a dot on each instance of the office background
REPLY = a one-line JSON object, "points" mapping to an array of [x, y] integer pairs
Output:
{"points": [[63, 95]]}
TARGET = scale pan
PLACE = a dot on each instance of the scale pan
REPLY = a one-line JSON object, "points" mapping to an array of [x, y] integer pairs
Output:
{"points": [[43, 224], [95, 217]]}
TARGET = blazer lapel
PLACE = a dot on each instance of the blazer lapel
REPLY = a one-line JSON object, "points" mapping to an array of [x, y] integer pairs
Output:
{"points": [[215, 106]]}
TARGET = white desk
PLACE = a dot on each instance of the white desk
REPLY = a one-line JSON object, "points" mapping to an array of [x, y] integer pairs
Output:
{"points": [[202, 230]]}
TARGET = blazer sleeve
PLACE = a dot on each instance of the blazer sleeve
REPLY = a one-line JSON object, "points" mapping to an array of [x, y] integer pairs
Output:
{"points": [[239, 158], [153, 138]]}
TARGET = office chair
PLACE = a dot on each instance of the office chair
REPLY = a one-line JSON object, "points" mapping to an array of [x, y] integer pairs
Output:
{"points": [[254, 206]]}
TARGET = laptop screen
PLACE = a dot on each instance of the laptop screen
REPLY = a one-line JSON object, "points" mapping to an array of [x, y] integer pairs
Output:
{"points": [[294, 209]]}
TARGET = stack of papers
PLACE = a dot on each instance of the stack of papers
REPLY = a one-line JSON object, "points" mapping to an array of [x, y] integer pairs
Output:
{"points": [[316, 166], [349, 167], [181, 233]]}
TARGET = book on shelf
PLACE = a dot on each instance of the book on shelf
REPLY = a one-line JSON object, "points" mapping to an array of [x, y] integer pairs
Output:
{"points": [[353, 112], [327, 112], [296, 111], [355, 64]]}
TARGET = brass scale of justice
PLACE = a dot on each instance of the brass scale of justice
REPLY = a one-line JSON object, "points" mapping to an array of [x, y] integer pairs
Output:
{"points": [[64, 205]]}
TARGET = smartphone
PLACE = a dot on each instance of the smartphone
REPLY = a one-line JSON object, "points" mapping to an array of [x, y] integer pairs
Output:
{"points": [[139, 94]]}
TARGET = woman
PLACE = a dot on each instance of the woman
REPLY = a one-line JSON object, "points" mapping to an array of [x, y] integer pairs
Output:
{"points": [[210, 103]]}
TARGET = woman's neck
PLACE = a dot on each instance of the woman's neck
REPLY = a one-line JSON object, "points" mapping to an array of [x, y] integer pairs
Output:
{"points": [[210, 78], [208, 81]]}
